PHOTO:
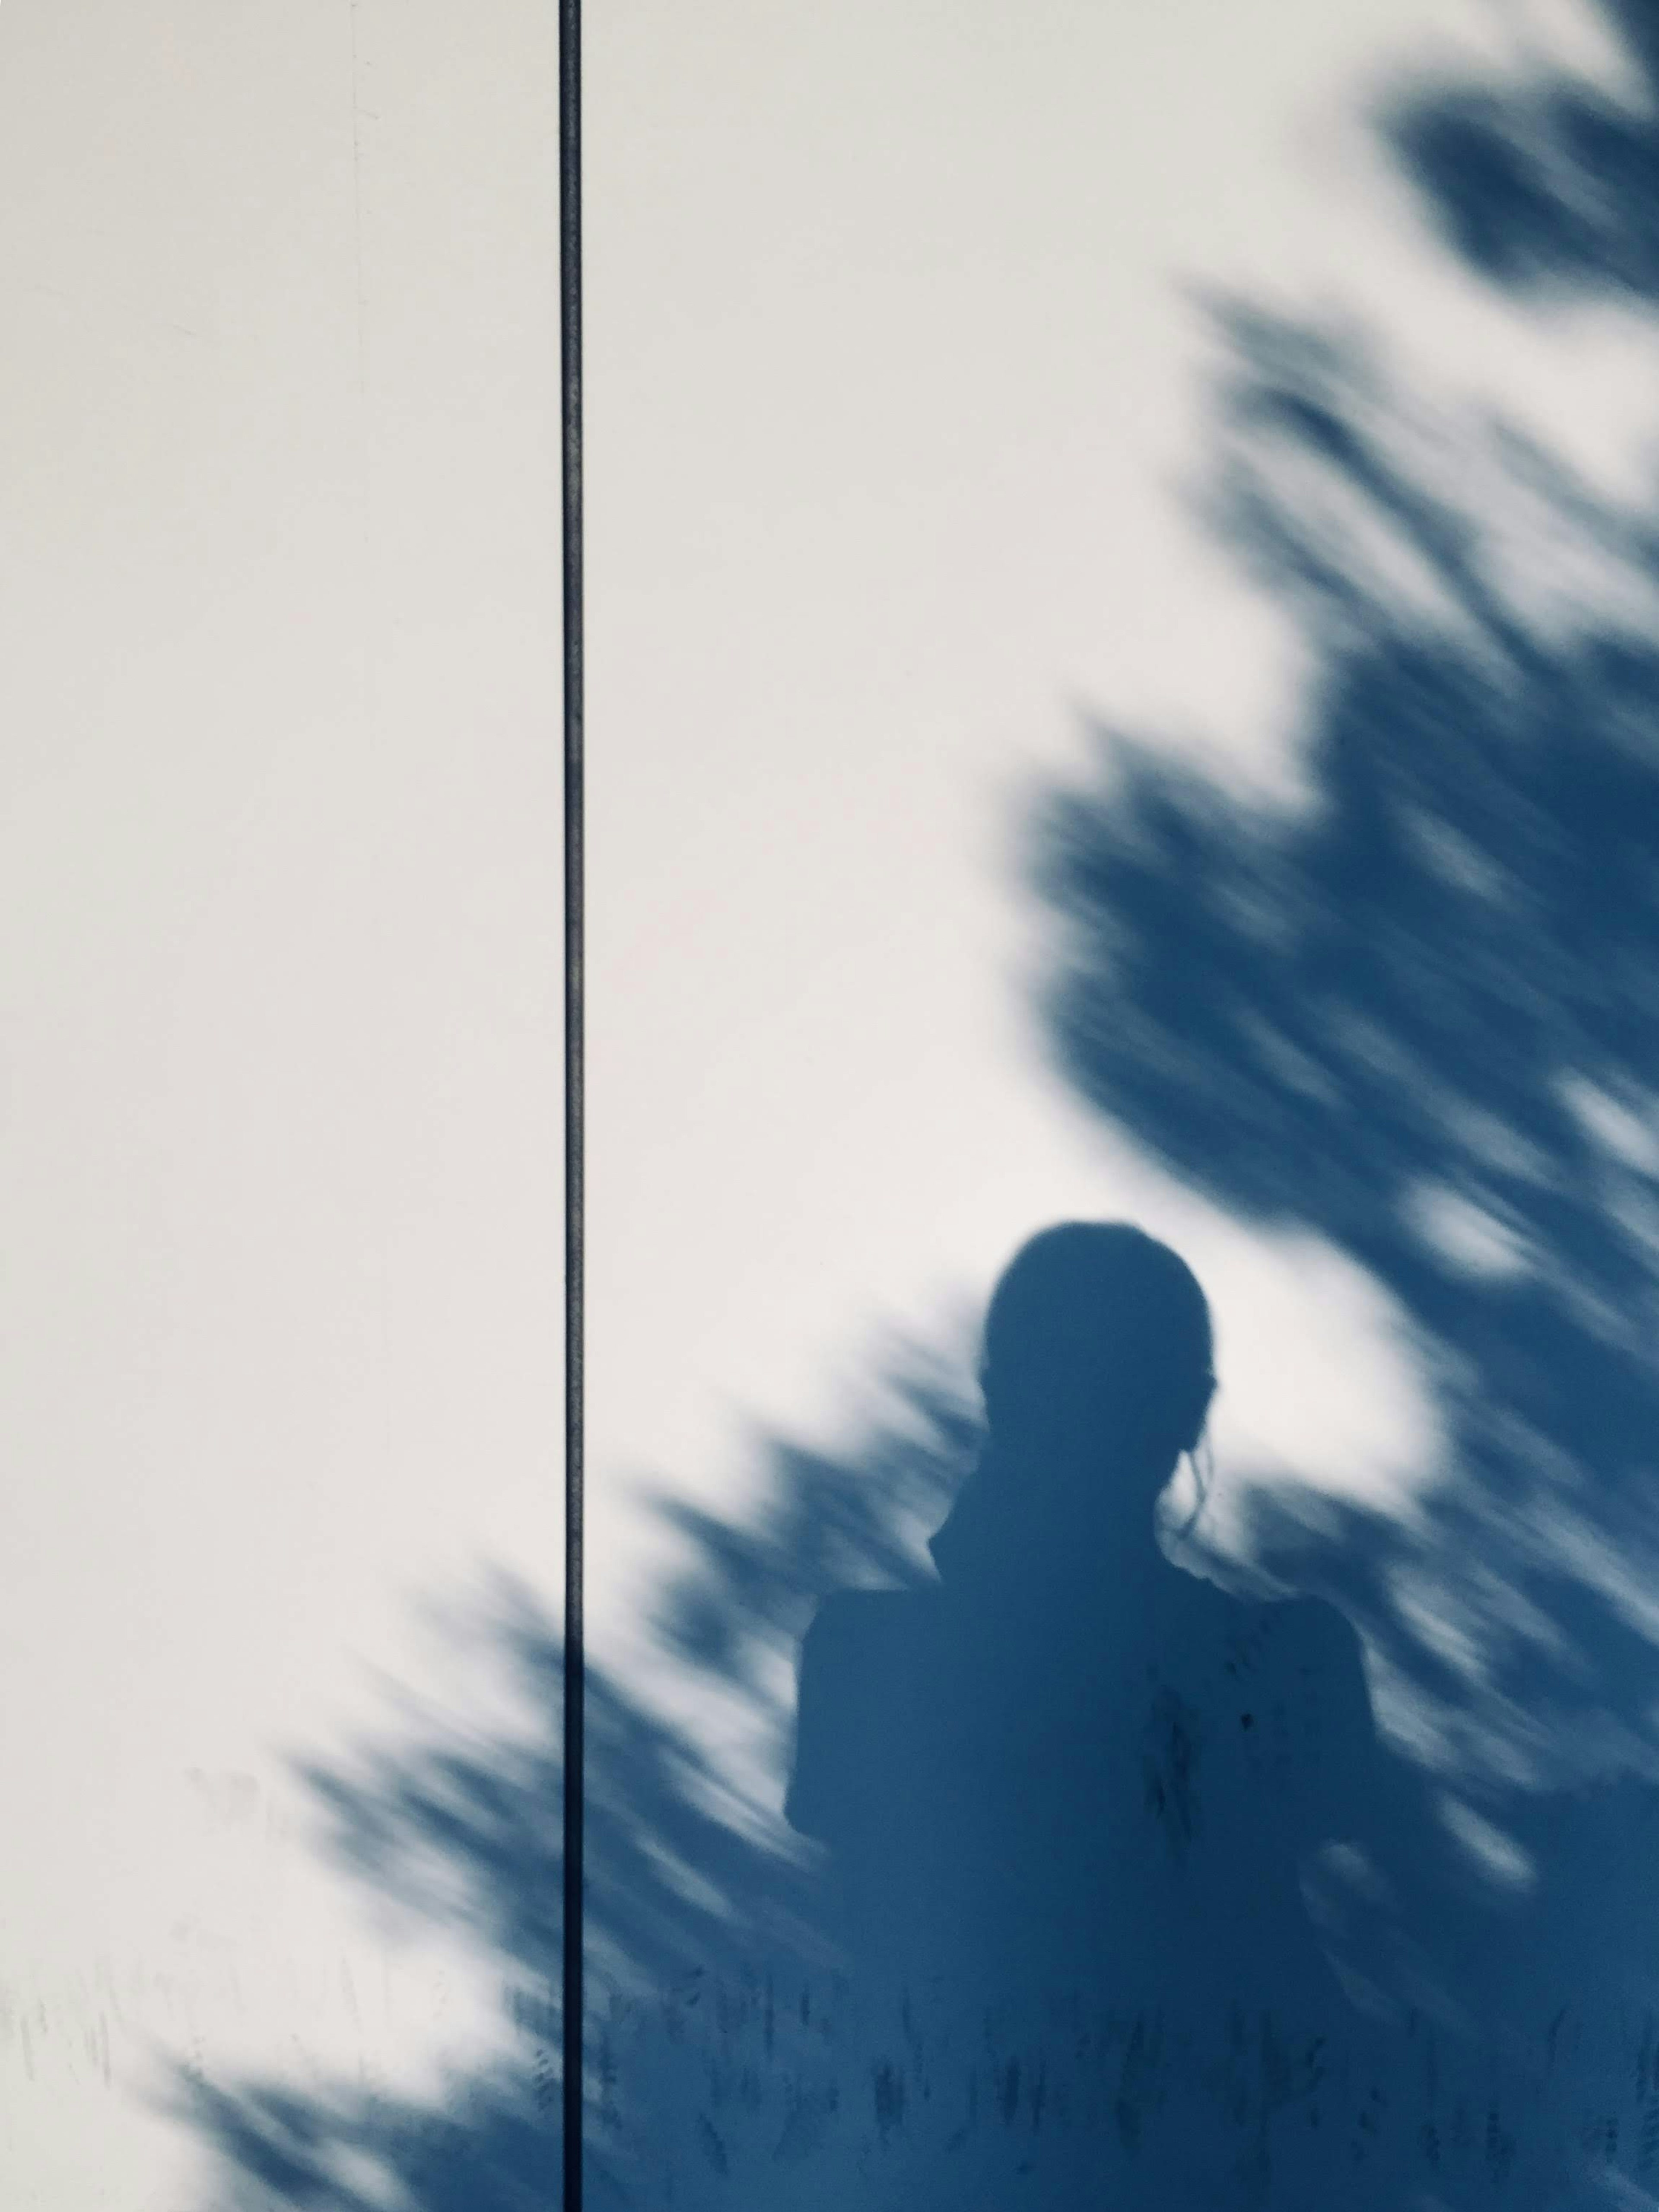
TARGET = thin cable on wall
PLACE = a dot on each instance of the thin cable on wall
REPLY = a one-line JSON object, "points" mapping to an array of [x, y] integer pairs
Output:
{"points": [[570, 364]]}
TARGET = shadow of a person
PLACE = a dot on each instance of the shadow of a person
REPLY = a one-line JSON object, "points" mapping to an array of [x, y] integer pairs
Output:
{"points": [[1072, 1784]]}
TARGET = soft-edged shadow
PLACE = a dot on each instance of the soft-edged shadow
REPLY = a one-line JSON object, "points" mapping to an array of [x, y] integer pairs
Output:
{"points": [[712, 1979], [1416, 1013], [1548, 183]]}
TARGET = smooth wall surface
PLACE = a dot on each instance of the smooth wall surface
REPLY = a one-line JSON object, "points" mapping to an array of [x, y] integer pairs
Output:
{"points": [[282, 1296]]}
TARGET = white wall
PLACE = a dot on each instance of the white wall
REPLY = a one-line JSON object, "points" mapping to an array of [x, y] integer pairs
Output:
{"points": [[280, 978]]}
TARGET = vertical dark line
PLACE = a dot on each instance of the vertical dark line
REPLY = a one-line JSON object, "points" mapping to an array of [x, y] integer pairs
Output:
{"points": [[570, 364]]}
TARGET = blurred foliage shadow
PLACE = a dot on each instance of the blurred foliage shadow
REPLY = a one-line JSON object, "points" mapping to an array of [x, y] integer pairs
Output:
{"points": [[1413, 1010], [702, 1932]]}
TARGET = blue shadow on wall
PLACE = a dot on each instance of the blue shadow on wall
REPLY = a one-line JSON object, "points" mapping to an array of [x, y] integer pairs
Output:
{"points": [[1397, 1952]]}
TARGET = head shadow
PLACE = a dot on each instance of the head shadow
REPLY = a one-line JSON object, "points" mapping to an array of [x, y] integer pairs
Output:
{"points": [[1098, 1346]]}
